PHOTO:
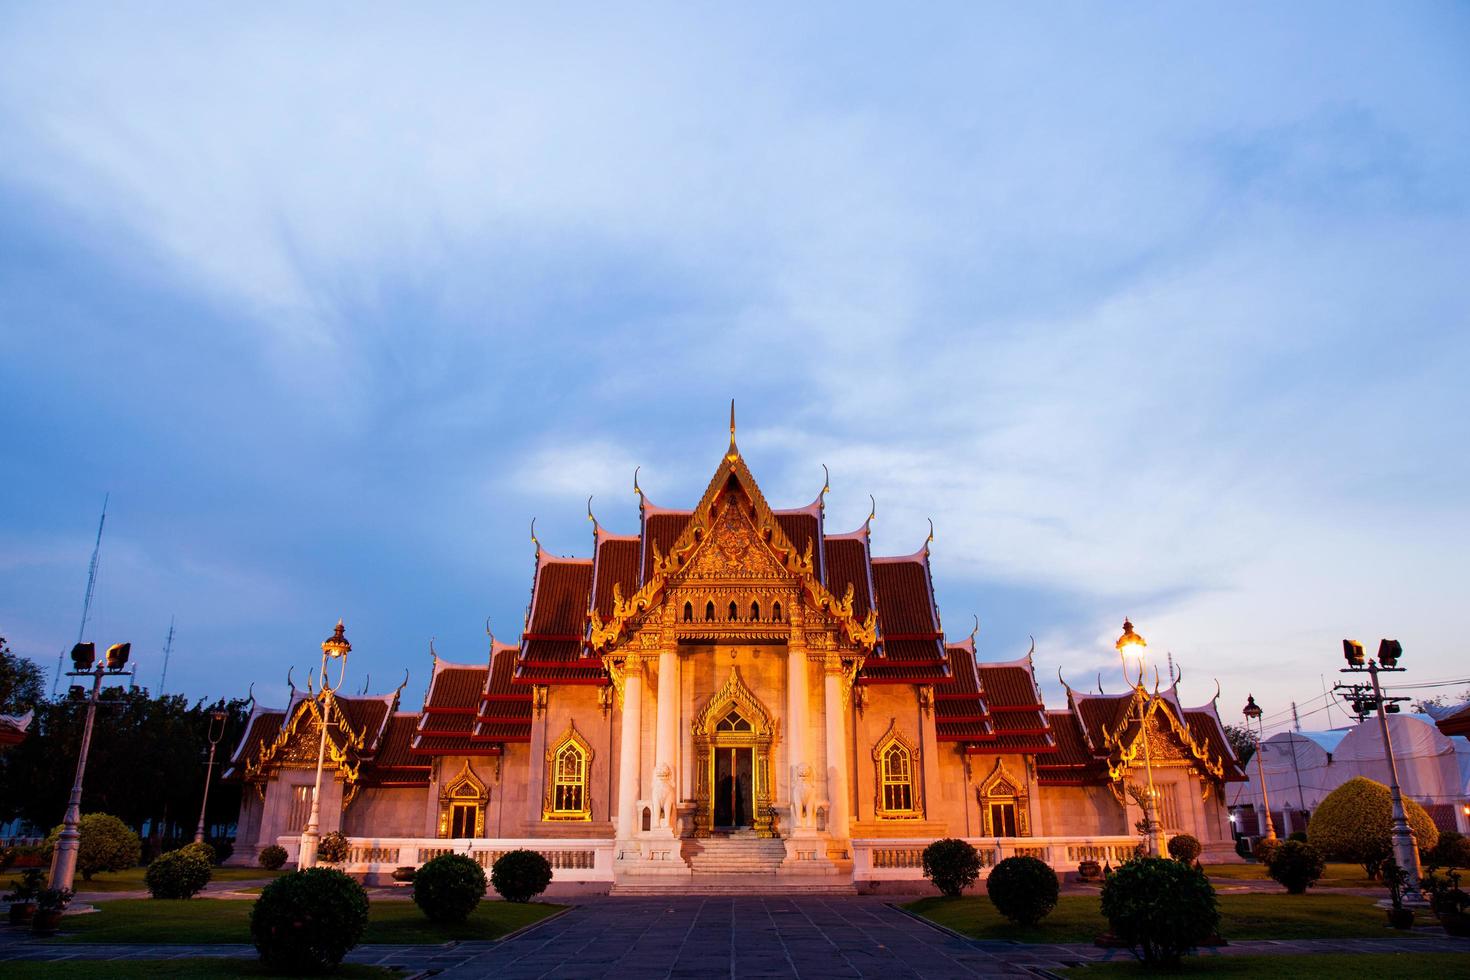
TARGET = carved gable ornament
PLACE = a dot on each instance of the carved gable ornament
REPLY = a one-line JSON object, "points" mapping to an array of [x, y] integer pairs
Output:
{"points": [[733, 550]]}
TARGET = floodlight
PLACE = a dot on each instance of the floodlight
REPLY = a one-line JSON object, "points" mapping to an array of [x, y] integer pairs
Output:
{"points": [[1353, 651], [83, 655], [1389, 652], [117, 655]]}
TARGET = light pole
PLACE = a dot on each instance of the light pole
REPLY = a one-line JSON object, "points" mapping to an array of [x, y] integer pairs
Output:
{"points": [[216, 721], [1369, 697], [1131, 644], [64, 860], [1252, 712], [334, 647]]}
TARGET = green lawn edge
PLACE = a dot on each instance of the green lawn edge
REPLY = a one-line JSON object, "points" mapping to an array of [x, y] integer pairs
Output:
{"points": [[1315, 966], [193, 968]]}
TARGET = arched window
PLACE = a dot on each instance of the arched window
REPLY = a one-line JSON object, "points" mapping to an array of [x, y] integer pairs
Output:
{"points": [[733, 722], [894, 764], [776, 613], [1002, 804], [688, 612], [709, 611], [734, 611], [567, 768], [755, 612], [462, 805]]}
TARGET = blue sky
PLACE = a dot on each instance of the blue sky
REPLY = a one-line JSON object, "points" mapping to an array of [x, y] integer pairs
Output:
{"points": [[1157, 311]]}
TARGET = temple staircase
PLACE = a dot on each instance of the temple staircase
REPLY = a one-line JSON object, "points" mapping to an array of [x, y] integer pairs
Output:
{"points": [[750, 866]]}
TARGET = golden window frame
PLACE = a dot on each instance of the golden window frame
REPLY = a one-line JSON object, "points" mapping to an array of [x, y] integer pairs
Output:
{"points": [[465, 787], [1002, 787], [571, 740], [893, 741]]}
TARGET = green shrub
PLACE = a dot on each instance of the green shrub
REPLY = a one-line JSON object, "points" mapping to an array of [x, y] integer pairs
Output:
{"points": [[306, 921], [1160, 907], [448, 888], [1354, 823], [201, 850], [107, 844], [332, 848], [518, 876], [273, 857], [952, 864], [1452, 851], [1265, 849], [1296, 866], [1297, 835], [1023, 889], [177, 874], [1184, 847], [1243, 846]]}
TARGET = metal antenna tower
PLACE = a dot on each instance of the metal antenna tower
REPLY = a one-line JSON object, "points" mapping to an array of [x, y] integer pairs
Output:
{"points": [[91, 588], [168, 646]]}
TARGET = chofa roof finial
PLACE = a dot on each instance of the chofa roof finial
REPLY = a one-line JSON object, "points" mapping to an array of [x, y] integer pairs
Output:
{"points": [[872, 510], [930, 539], [433, 655], [636, 488], [733, 453], [976, 628], [490, 633], [534, 539], [826, 484], [403, 685], [591, 516], [289, 682]]}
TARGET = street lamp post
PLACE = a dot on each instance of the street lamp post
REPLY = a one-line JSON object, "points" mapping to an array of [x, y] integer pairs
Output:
{"points": [[216, 732], [334, 647], [64, 860], [1252, 712], [1130, 643], [1369, 697]]}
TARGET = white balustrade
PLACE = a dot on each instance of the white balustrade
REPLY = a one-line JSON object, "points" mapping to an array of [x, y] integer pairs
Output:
{"points": [[571, 860], [896, 859]]}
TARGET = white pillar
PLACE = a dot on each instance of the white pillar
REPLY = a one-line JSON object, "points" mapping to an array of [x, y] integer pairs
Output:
{"points": [[835, 708], [797, 720], [629, 745], [666, 748]]}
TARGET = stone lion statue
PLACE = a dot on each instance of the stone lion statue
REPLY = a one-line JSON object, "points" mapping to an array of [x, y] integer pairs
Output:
{"points": [[805, 796], [663, 793]]}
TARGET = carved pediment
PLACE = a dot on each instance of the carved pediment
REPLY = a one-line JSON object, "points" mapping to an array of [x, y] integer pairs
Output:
{"points": [[733, 549]]}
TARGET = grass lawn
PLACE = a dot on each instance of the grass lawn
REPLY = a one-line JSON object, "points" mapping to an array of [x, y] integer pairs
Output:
{"points": [[1328, 966], [1076, 919], [1337, 875], [202, 920], [132, 879], [201, 968]]}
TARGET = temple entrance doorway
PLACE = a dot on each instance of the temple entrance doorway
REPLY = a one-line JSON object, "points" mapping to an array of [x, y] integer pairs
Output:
{"points": [[734, 774]]}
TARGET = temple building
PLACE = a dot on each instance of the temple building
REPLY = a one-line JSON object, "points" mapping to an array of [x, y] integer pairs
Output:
{"points": [[735, 689]]}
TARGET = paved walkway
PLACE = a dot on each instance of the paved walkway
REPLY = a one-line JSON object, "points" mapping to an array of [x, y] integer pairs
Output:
{"points": [[803, 936]]}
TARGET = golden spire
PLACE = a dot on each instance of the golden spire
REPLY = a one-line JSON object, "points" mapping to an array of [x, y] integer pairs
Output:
{"points": [[733, 453]]}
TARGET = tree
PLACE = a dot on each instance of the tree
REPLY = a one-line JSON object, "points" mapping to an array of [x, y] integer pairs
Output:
{"points": [[22, 682], [1428, 706], [1242, 740], [106, 845], [1355, 822]]}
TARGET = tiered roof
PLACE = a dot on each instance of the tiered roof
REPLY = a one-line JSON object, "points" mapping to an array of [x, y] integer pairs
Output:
{"points": [[991, 707]]}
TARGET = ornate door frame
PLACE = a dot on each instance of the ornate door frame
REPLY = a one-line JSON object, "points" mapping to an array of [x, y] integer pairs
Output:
{"points": [[707, 739]]}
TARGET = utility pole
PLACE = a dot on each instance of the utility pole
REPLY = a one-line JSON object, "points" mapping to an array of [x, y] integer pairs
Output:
{"points": [[168, 646], [87, 600]]}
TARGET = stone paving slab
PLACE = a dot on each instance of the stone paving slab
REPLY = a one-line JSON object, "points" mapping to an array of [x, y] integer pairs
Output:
{"points": [[807, 937]]}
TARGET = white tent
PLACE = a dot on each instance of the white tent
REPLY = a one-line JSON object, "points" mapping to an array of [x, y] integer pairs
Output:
{"points": [[1303, 767]]}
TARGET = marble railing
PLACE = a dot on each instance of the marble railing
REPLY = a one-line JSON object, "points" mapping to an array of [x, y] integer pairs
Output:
{"points": [[895, 859], [571, 860]]}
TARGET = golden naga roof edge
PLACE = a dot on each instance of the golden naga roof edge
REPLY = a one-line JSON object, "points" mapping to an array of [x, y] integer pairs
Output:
{"points": [[1121, 757], [605, 634], [258, 768]]}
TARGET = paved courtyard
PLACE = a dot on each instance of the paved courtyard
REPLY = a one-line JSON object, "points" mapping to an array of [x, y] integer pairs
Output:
{"points": [[801, 936]]}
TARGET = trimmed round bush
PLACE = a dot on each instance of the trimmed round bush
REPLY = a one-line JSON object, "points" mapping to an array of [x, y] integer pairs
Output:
{"points": [[107, 844], [273, 857], [177, 874], [1355, 822], [1452, 851], [518, 876], [1023, 889], [448, 888], [306, 921], [952, 864], [332, 848], [1184, 847], [1265, 849], [1160, 907], [201, 850], [1296, 866], [1300, 835]]}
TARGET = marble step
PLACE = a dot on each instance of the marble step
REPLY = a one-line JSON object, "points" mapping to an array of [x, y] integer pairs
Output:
{"points": [[769, 884]]}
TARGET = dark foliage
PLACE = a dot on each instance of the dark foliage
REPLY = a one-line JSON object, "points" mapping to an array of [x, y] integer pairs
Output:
{"points": [[107, 844], [952, 864], [1296, 866], [518, 876], [1265, 848], [306, 921], [1160, 907], [448, 888], [202, 850], [1023, 889], [177, 874], [333, 847], [273, 857], [1184, 847], [1452, 851], [22, 682]]}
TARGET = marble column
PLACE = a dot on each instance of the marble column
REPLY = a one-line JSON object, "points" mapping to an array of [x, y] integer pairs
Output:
{"points": [[629, 743], [666, 748], [835, 706], [797, 720]]}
